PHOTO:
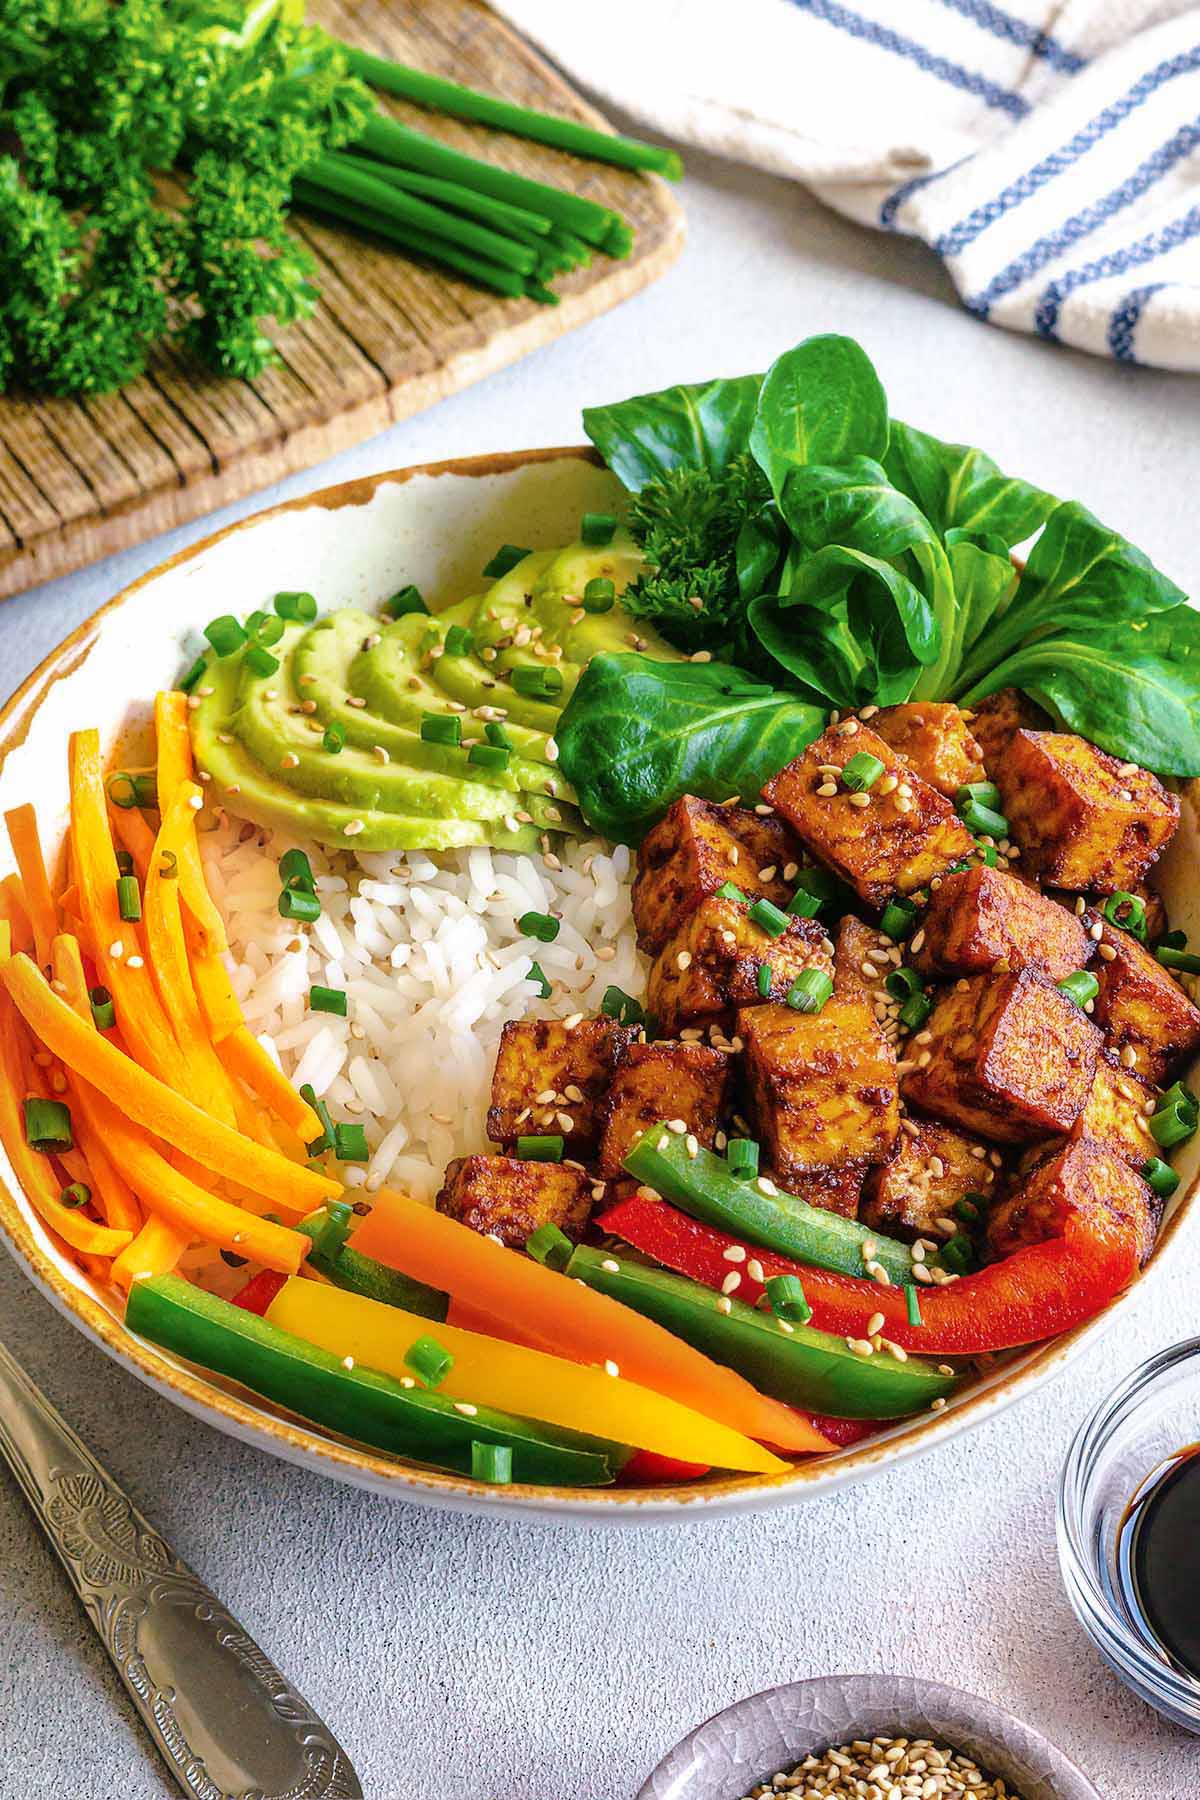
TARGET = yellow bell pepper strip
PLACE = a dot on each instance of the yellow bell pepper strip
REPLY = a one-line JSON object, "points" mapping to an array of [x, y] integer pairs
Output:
{"points": [[27, 848], [569, 1320], [15, 911], [175, 770], [34, 1171], [513, 1379], [245, 1057], [163, 1112]]}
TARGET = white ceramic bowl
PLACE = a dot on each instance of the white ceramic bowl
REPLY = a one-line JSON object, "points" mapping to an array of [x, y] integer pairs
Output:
{"points": [[352, 545]]}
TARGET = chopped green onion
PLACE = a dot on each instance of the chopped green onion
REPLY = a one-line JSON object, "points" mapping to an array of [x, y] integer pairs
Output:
{"points": [[538, 925], [1134, 910], [168, 868], [129, 898], [489, 756], [124, 863], [550, 1246], [459, 641], [597, 528], [810, 990], [966, 1210], [328, 1000], [320, 1145], [507, 557], [333, 738], [915, 1011], [295, 604], [862, 772], [295, 871], [903, 982], [537, 683], [538, 974], [729, 890], [1080, 987], [1174, 940], [1184, 960], [804, 904], [622, 1007], [192, 678], [1172, 1124], [1161, 1176], [334, 1228], [268, 629], [987, 854], [127, 790], [543, 1148], [599, 595], [441, 728], [76, 1193], [429, 1361], [899, 918], [786, 1298], [765, 978], [225, 634], [350, 1143], [254, 620], [959, 1253], [912, 1301], [497, 735], [48, 1125], [984, 793], [742, 1156], [104, 1014], [260, 661], [491, 1462], [983, 821], [820, 882], [769, 918], [298, 905], [409, 600]]}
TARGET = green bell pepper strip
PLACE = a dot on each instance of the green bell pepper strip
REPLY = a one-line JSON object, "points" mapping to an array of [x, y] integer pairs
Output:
{"points": [[360, 1403], [706, 1187], [794, 1363], [359, 1274]]}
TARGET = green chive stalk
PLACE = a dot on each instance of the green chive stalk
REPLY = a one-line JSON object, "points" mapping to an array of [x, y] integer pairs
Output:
{"points": [[346, 177], [343, 212], [515, 221]]}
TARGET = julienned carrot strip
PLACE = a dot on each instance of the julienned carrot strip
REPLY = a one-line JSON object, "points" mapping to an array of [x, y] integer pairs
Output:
{"points": [[115, 942], [175, 768], [135, 837], [152, 1103], [33, 1170], [216, 996], [244, 1056], [12, 904], [567, 1319], [27, 848], [115, 1197], [155, 1250]]}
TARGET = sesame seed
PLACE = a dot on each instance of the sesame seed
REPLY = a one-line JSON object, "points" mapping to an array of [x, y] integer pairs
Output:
{"points": [[195, 801], [465, 1408], [1096, 932], [116, 950], [724, 1304], [860, 800], [767, 874], [938, 1405], [684, 960], [731, 1283], [916, 941], [736, 1253], [875, 1324], [611, 1368], [827, 789], [135, 962], [754, 1269], [352, 828], [1107, 952]]}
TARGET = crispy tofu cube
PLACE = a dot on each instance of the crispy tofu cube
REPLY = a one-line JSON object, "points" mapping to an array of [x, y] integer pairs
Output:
{"points": [[1082, 1177], [1083, 820], [862, 960], [1141, 1006], [914, 1195], [710, 966], [994, 720], [552, 1077], [982, 919], [498, 1196], [695, 849], [901, 835], [822, 1090], [661, 1082], [1117, 1111], [1009, 1057], [934, 737]]}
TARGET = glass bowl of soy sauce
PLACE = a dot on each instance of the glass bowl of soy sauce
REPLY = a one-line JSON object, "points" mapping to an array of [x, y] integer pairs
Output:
{"points": [[1129, 1531]]}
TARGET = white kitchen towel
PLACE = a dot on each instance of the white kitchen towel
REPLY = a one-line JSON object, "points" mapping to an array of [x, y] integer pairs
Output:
{"points": [[1049, 153]]}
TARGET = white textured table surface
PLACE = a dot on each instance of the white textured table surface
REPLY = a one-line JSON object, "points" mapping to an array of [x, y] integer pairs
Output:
{"points": [[459, 1657]]}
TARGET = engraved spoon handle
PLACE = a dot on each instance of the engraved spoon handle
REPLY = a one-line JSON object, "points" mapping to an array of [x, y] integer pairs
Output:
{"points": [[228, 1725]]}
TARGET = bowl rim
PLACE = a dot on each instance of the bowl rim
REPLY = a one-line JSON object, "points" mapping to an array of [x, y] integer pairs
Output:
{"points": [[292, 1438], [970, 1710]]}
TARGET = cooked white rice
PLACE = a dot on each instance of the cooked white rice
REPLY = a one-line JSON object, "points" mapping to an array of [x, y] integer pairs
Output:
{"points": [[428, 950]]}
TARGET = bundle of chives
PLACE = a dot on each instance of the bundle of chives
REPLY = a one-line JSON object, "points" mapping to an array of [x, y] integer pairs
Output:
{"points": [[345, 212], [346, 177], [517, 221]]}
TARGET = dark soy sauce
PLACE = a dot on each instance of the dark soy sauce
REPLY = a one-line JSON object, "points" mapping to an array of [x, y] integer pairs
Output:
{"points": [[1158, 1558]]}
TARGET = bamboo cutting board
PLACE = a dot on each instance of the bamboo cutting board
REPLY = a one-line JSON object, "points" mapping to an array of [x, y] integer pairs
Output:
{"points": [[80, 479]]}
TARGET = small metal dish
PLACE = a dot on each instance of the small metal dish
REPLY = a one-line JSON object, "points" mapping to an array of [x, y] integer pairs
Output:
{"points": [[753, 1739], [1154, 1413]]}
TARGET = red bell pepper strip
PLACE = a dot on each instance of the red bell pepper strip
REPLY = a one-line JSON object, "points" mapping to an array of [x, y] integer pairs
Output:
{"points": [[1035, 1293], [646, 1468], [259, 1292], [845, 1433]]}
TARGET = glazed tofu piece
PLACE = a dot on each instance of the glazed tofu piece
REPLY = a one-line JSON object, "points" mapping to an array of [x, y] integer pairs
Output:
{"points": [[994, 721], [1083, 820], [934, 1167], [695, 849], [1082, 1177], [498, 1196], [891, 840], [1140, 1006], [552, 1077], [1010, 1057], [935, 738], [659, 1083], [982, 919], [862, 960], [711, 964], [822, 1090], [1117, 1111]]}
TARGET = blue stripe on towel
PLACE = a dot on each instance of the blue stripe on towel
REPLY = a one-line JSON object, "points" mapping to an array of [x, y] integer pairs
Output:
{"points": [[1085, 139], [1023, 267], [969, 81], [1020, 32], [1125, 320], [1133, 256]]}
